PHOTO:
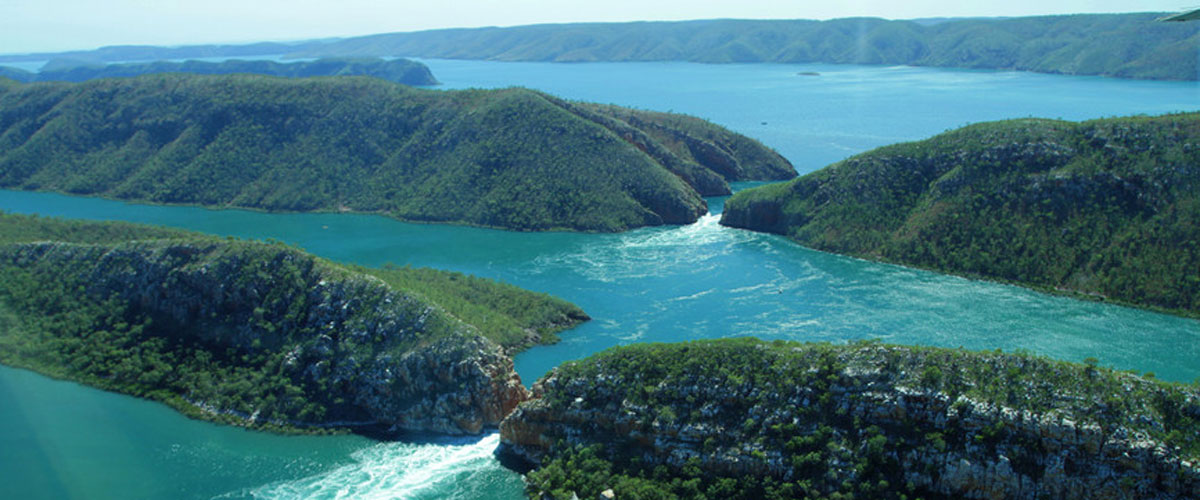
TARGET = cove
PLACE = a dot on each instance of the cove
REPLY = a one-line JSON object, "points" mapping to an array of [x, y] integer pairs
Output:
{"points": [[62, 440]]}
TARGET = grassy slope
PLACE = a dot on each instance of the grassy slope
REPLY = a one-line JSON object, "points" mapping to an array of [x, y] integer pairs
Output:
{"points": [[510, 316], [1106, 207], [829, 453], [53, 319], [509, 158], [1123, 45]]}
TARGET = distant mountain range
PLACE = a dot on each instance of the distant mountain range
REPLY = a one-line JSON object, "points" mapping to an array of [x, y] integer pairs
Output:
{"points": [[1117, 45], [69, 70]]}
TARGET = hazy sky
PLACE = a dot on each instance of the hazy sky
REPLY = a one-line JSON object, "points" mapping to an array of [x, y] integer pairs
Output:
{"points": [[56, 25]]}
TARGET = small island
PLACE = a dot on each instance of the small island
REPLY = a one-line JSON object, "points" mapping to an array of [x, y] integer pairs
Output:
{"points": [[403, 71]]}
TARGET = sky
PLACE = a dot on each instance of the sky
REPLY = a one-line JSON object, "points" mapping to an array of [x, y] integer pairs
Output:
{"points": [[60, 25]]}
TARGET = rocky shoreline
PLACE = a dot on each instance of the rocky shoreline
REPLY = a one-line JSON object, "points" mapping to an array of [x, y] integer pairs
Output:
{"points": [[341, 346], [863, 417]]}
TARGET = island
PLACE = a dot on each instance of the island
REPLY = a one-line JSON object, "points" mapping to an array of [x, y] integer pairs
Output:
{"points": [[747, 419], [264, 335], [1104, 209], [509, 158], [404, 71]]}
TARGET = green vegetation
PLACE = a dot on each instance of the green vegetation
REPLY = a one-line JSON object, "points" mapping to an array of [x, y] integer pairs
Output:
{"points": [[1120, 45], [241, 332], [394, 70], [1105, 208], [507, 315], [742, 418], [511, 158], [14, 74]]}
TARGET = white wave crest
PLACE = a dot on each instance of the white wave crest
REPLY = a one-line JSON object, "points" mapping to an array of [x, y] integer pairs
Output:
{"points": [[648, 252], [399, 471]]}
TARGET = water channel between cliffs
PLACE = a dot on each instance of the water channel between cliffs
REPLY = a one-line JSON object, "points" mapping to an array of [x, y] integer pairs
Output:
{"points": [[649, 285]]}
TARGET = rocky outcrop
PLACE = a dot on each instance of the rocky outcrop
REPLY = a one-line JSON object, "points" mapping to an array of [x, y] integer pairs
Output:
{"points": [[368, 353], [825, 417]]}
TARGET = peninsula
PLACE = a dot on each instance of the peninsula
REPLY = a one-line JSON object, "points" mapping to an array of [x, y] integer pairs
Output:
{"points": [[262, 334], [511, 158], [745, 419], [1106, 209]]}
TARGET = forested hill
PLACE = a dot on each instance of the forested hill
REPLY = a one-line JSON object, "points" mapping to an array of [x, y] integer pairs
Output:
{"points": [[510, 158], [1120, 45], [1107, 207], [394, 70], [745, 419], [263, 334]]}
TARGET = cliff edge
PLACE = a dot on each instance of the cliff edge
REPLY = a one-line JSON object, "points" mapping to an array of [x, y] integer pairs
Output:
{"points": [[748, 419], [260, 334]]}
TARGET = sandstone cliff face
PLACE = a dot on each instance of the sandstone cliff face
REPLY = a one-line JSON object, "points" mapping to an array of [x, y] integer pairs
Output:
{"points": [[934, 443], [387, 359]]}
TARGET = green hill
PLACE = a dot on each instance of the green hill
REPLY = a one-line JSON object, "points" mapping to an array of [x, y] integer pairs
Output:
{"points": [[1107, 208], [745, 419], [1120, 45], [262, 334], [393, 70], [511, 158]]}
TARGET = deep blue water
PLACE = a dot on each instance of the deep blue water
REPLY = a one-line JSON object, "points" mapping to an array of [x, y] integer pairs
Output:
{"points": [[656, 284]]}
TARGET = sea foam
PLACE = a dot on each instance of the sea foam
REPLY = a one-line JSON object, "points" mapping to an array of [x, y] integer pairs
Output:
{"points": [[440, 469]]}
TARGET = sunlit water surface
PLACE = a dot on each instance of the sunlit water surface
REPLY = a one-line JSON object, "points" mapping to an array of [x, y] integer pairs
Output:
{"points": [[62, 440]]}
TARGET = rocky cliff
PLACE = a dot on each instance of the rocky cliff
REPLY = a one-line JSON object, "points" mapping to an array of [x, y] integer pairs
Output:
{"points": [[748, 419], [250, 333]]}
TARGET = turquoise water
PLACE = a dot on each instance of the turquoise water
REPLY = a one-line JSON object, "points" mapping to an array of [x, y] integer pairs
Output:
{"points": [[817, 120], [61, 440]]}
